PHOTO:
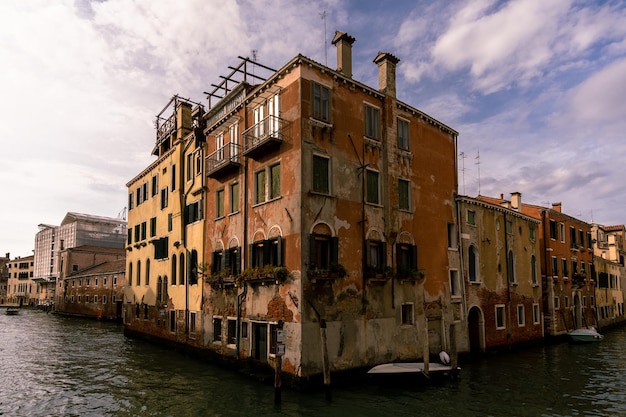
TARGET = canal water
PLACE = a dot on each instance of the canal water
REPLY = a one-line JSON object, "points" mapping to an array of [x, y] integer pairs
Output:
{"points": [[59, 366]]}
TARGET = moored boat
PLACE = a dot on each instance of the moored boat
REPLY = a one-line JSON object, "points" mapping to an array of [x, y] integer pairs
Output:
{"points": [[585, 335], [12, 311]]}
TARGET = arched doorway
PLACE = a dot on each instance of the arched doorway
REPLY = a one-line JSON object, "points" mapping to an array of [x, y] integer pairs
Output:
{"points": [[476, 330]]}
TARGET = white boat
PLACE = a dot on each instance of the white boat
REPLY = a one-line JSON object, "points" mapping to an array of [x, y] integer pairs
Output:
{"points": [[409, 368], [585, 335], [12, 311]]}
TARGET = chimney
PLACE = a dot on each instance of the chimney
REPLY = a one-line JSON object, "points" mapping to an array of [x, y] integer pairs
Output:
{"points": [[556, 206], [344, 42], [386, 73], [516, 201]]}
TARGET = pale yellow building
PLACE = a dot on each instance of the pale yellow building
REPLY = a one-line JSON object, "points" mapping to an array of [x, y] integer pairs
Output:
{"points": [[610, 273], [165, 231], [21, 289]]}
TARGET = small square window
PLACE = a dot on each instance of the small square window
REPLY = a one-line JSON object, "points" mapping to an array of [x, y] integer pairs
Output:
{"points": [[407, 313]]}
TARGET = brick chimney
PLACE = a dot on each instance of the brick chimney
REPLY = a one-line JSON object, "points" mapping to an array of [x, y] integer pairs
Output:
{"points": [[556, 206], [344, 42], [386, 73], [516, 201]]}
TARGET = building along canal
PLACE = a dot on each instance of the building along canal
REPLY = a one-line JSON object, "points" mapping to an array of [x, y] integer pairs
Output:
{"points": [[58, 366]]}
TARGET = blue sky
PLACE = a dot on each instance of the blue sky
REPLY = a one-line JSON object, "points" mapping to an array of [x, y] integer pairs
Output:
{"points": [[536, 88]]}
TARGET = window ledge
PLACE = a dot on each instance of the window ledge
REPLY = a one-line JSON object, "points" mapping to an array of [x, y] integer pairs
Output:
{"points": [[475, 282], [320, 123], [456, 299], [374, 204], [318, 193]]}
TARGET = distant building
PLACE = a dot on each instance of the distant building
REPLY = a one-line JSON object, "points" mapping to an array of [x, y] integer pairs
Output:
{"points": [[304, 200], [501, 266], [91, 282], [21, 289], [4, 277], [567, 270], [76, 229], [609, 250]]}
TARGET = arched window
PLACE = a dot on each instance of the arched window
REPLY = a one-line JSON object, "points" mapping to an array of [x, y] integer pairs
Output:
{"points": [[473, 263], [147, 271], [130, 274], [181, 265], [138, 273], [159, 289], [533, 269], [193, 278], [174, 269], [510, 266], [165, 295]]}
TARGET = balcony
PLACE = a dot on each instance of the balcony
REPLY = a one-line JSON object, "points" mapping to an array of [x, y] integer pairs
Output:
{"points": [[224, 160], [263, 136]]}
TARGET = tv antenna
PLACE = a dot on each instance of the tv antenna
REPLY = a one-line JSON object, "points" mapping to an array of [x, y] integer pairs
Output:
{"points": [[323, 16], [462, 157], [478, 165]]}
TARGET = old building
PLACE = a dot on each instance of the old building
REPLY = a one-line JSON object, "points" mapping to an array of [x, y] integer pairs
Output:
{"points": [[21, 289], [91, 282], [166, 204], [610, 273], [76, 229], [305, 200], [501, 271], [4, 277], [330, 213], [567, 269]]}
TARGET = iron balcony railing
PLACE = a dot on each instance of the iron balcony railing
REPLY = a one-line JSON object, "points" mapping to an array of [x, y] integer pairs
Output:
{"points": [[226, 156], [269, 131]]}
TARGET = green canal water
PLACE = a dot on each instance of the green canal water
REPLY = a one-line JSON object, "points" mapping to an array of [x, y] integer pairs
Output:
{"points": [[59, 366]]}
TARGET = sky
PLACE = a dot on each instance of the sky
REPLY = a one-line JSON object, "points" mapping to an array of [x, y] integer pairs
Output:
{"points": [[536, 90]]}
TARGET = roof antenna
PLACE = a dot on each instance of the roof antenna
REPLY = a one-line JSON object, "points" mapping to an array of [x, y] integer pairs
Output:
{"points": [[462, 156], [478, 165], [323, 16]]}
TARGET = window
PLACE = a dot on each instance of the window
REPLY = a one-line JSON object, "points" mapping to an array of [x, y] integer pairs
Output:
{"points": [[404, 194], [172, 320], [473, 263], [372, 194], [455, 287], [471, 217], [259, 187], [219, 147], [217, 329], [227, 260], [532, 232], [199, 162], [231, 332], [155, 185], [403, 134], [451, 236], [553, 230], [555, 267], [163, 198], [536, 314], [138, 273], [533, 270], [372, 115], [566, 299], [274, 183], [129, 238], [234, 139], [584, 301], [376, 257], [267, 252], [130, 275], [244, 330], [174, 269], [321, 102], [500, 316], [407, 313], [406, 260], [161, 248], [192, 323], [234, 197], [562, 232], [564, 268], [193, 212], [219, 203], [510, 266], [521, 319], [323, 251], [509, 227], [557, 303], [131, 201], [173, 184], [321, 174], [137, 232], [189, 167], [104, 299], [147, 272], [143, 231], [153, 221], [170, 224]]}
